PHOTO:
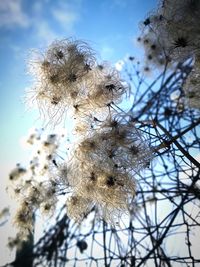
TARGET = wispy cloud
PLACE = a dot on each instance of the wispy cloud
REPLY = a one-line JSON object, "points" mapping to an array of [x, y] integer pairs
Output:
{"points": [[45, 20], [66, 15], [44, 32], [12, 14]]}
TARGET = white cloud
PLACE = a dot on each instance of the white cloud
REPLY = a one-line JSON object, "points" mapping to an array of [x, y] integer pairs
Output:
{"points": [[44, 33], [66, 15], [12, 15]]}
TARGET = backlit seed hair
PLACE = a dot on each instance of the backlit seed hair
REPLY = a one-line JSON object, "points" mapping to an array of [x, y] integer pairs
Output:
{"points": [[78, 207], [68, 76], [174, 27], [103, 188], [99, 170], [115, 144], [57, 73]]}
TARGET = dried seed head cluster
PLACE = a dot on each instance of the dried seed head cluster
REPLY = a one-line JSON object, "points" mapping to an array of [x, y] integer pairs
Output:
{"points": [[175, 25], [24, 219], [68, 76], [115, 145], [109, 190], [155, 53], [103, 165], [78, 207], [107, 152], [171, 35], [36, 187]]}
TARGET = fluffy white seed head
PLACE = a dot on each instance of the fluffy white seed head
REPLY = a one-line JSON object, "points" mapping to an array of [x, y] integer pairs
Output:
{"points": [[78, 207], [175, 26]]}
